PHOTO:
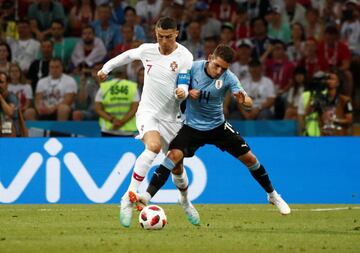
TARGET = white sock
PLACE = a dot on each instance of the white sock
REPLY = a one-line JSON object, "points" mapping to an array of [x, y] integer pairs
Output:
{"points": [[141, 167], [273, 193], [181, 182]]}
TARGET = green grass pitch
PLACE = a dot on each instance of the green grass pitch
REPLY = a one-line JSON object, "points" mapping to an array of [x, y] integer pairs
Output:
{"points": [[224, 228]]}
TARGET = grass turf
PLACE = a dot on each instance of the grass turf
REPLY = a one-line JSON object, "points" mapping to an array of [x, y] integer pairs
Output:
{"points": [[225, 228]]}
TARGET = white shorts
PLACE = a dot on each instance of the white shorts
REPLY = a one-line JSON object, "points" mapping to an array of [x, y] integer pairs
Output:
{"points": [[146, 122]]}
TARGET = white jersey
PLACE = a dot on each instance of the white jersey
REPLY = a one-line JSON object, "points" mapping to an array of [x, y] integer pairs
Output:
{"points": [[161, 72]]}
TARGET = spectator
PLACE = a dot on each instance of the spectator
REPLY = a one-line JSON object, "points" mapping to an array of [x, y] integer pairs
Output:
{"points": [[294, 95], [116, 103], [310, 60], [25, 50], [140, 79], [80, 15], [8, 19], [5, 57], [194, 42], [293, 13], [350, 28], [40, 67], [255, 8], [280, 70], [333, 53], [223, 10], [243, 55], [278, 29], [130, 18], [42, 14], [210, 26], [118, 11], [242, 25], [127, 33], [12, 123], [89, 49], [262, 91], [178, 12], [148, 11], [260, 41], [85, 100], [314, 27], [63, 47], [210, 44], [295, 49], [55, 93], [106, 31], [19, 86], [227, 35]]}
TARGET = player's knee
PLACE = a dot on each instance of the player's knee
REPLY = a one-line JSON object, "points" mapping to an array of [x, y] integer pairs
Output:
{"points": [[249, 159], [154, 146], [175, 155]]}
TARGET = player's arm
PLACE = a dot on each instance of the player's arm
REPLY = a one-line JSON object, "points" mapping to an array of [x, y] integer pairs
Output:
{"points": [[183, 80], [239, 93], [120, 60]]}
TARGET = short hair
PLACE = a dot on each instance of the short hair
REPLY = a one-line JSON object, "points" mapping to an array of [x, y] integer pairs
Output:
{"points": [[6, 75], [224, 52], [332, 30], [58, 21], [130, 8], [88, 27], [56, 59], [166, 23], [263, 21], [254, 63]]}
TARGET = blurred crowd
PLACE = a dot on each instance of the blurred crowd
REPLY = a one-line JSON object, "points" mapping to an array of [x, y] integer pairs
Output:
{"points": [[297, 59]]}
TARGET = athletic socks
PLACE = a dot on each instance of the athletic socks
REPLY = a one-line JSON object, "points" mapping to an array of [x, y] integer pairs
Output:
{"points": [[259, 173], [181, 182], [141, 167]]}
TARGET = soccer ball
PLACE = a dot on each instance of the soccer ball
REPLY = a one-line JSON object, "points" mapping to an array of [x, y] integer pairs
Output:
{"points": [[152, 217]]}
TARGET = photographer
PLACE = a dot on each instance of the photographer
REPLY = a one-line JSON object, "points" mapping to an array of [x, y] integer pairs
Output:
{"points": [[323, 110], [11, 121]]}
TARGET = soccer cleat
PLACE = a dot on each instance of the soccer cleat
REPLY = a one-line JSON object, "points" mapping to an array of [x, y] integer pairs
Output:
{"points": [[190, 211], [126, 207], [275, 199], [138, 200]]}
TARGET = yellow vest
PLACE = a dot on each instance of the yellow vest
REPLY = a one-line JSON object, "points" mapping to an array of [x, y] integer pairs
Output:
{"points": [[312, 121], [118, 95]]}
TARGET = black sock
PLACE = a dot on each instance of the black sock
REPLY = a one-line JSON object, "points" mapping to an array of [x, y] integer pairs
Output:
{"points": [[158, 179], [263, 179]]}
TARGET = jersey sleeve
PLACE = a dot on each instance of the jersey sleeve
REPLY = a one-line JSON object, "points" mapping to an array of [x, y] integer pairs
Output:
{"points": [[123, 59], [235, 85], [183, 79]]}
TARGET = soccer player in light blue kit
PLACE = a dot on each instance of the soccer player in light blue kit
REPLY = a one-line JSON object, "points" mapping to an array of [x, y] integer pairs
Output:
{"points": [[205, 124]]}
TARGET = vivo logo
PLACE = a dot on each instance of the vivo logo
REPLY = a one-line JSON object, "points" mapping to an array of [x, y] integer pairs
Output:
{"points": [[95, 193]]}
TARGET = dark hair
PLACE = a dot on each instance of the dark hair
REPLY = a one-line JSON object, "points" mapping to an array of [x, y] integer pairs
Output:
{"points": [[166, 23], [279, 42], [130, 8], [23, 21], [332, 29], [254, 63], [263, 20], [58, 21], [8, 49], [56, 59], [5, 74], [88, 27], [303, 37], [224, 52]]}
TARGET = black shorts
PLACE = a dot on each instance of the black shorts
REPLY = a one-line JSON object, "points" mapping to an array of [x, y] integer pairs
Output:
{"points": [[188, 140]]}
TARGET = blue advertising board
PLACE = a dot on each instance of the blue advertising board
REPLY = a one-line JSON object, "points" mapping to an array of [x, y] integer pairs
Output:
{"points": [[98, 170]]}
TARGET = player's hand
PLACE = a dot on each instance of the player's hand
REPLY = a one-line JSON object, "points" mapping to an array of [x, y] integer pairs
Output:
{"points": [[194, 94], [248, 102], [240, 97], [101, 75], [180, 93]]}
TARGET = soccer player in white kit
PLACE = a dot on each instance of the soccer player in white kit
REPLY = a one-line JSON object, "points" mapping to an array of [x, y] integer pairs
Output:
{"points": [[158, 119]]}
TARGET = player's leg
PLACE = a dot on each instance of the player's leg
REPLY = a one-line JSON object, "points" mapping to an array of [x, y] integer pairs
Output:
{"points": [[259, 173], [180, 179], [150, 135], [229, 140]]}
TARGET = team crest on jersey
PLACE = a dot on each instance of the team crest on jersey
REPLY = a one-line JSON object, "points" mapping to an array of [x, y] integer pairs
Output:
{"points": [[218, 84], [173, 66]]}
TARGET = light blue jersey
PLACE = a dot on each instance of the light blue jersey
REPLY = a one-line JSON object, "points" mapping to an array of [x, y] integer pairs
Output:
{"points": [[206, 112]]}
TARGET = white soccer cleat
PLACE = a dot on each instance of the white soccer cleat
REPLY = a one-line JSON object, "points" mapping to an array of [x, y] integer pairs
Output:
{"points": [[190, 211], [126, 207], [275, 199]]}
